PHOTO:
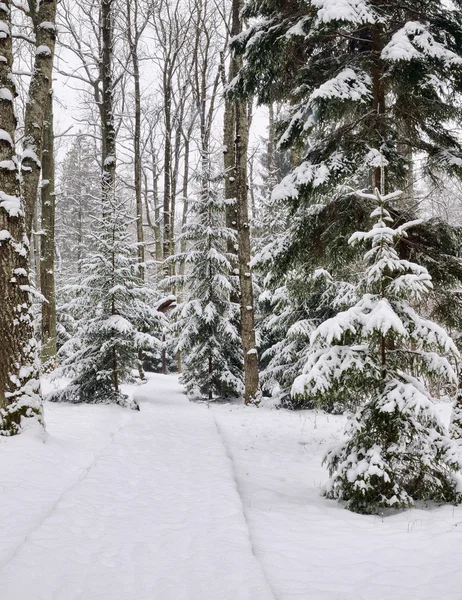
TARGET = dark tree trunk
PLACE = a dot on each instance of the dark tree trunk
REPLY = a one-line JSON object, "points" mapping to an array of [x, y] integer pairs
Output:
{"points": [[47, 263], [19, 382], [44, 19]]}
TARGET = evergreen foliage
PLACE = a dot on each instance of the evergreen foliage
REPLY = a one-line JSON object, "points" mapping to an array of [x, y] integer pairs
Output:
{"points": [[206, 321], [296, 309], [368, 83], [116, 316], [380, 352]]}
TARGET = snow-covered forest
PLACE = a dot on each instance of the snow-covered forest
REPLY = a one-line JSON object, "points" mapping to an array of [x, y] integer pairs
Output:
{"points": [[230, 299]]}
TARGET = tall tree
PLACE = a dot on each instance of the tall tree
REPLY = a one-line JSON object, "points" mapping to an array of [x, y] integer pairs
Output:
{"points": [[381, 352], [377, 84], [205, 324], [236, 131], [118, 315], [108, 130], [20, 398], [135, 29], [47, 246], [43, 14]]}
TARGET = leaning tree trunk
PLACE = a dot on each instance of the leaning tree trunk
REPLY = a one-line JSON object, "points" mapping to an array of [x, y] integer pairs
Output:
{"points": [[44, 19], [47, 247], [237, 124], [19, 384]]}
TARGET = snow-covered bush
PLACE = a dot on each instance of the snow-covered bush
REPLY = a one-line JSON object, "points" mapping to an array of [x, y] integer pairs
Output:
{"points": [[397, 451]]}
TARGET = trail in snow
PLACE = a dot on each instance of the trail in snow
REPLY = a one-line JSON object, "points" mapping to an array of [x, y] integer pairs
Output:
{"points": [[156, 517]]}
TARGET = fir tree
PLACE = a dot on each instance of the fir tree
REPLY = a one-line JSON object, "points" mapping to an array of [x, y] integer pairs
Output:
{"points": [[116, 316], [380, 352], [369, 82], [78, 202], [367, 85], [295, 310], [205, 324]]}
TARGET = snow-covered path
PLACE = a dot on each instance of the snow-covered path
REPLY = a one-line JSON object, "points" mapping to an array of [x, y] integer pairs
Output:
{"points": [[151, 513]]}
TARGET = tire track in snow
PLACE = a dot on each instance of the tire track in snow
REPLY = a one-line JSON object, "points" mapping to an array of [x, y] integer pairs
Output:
{"points": [[83, 475], [233, 471]]}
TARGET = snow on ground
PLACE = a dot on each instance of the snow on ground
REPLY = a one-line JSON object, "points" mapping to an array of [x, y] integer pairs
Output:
{"points": [[114, 504], [310, 547], [150, 513]]}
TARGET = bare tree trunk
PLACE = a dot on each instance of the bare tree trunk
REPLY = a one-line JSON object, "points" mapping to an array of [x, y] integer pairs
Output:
{"points": [[47, 263], [184, 217], [107, 106], [44, 18], [19, 383], [166, 249], [36, 243], [237, 122], [133, 39]]}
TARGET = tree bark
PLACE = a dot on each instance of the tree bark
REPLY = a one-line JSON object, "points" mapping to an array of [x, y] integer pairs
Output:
{"points": [[133, 39], [44, 20], [19, 379], [47, 263], [107, 106], [237, 122]]}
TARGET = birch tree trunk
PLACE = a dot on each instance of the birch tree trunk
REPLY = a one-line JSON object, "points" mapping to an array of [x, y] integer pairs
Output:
{"points": [[43, 14], [19, 383], [236, 125], [47, 247]]}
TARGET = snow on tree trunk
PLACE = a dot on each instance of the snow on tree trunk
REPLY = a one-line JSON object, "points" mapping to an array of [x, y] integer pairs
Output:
{"points": [[237, 123], [377, 352], [44, 20], [20, 398], [107, 105], [47, 246]]}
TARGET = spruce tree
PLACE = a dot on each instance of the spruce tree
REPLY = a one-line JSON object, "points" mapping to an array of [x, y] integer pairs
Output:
{"points": [[205, 325], [116, 315], [295, 310], [381, 352], [367, 85], [369, 82]]}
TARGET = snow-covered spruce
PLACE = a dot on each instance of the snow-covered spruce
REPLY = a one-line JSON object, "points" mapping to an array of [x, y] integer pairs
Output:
{"points": [[205, 324], [117, 313], [381, 352], [376, 86], [291, 320]]}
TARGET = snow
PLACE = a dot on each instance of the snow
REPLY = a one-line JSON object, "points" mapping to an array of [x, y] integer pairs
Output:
{"points": [[351, 11], [123, 506], [43, 51], [347, 85], [414, 41], [185, 502], [12, 204]]}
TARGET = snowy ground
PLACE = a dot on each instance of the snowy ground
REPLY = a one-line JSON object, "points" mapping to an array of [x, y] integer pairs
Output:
{"points": [[185, 502]]}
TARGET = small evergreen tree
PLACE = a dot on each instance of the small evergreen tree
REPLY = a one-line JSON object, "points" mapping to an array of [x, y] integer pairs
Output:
{"points": [[205, 325], [380, 350], [117, 316], [296, 309]]}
